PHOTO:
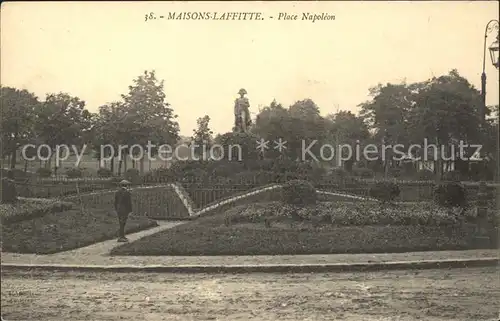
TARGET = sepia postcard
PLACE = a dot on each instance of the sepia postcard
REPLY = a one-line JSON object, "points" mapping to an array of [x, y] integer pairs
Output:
{"points": [[249, 160]]}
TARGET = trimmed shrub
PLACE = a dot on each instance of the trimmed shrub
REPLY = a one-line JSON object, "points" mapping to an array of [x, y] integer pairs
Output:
{"points": [[384, 191], [133, 175], [104, 172], [44, 172], [299, 192], [425, 175], [450, 195], [74, 172]]}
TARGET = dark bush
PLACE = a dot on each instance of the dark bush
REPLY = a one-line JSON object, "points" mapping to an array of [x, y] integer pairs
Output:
{"points": [[9, 192], [452, 176], [180, 167], [16, 174], [384, 191], [132, 175], [450, 194], [159, 175], [362, 172], [395, 172], [256, 178], [299, 192], [44, 172], [224, 168], [338, 174], [104, 172], [74, 172], [261, 165], [116, 180], [246, 142], [425, 175]]}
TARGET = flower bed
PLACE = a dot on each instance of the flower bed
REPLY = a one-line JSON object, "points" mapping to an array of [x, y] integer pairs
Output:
{"points": [[356, 213]]}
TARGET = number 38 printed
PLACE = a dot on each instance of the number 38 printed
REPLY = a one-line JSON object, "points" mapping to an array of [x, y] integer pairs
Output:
{"points": [[150, 16]]}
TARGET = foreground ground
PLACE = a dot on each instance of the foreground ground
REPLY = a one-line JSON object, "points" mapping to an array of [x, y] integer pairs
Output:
{"points": [[462, 294]]}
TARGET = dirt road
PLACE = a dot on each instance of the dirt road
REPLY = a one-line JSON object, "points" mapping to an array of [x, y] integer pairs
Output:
{"points": [[467, 294]]}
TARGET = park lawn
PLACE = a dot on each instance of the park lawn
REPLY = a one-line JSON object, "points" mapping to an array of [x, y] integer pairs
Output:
{"points": [[67, 230], [29, 208], [245, 234]]}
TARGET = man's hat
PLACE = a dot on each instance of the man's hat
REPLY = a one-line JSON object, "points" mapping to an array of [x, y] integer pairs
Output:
{"points": [[124, 182]]}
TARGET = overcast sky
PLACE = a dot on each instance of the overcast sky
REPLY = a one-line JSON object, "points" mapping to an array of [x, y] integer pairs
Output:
{"points": [[95, 50]]}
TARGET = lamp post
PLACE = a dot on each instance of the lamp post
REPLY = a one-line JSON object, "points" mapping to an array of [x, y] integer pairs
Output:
{"points": [[492, 25], [493, 49], [482, 209]]}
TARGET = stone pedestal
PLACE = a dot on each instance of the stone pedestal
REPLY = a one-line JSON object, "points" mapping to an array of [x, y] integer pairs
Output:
{"points": [[483, 237]]}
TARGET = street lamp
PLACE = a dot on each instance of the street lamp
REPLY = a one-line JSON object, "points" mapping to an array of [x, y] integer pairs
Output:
{"points": [[492, 25], [494, 53]]}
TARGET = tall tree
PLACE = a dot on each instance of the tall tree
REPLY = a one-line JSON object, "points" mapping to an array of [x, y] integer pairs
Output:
{"points": [[446, 108], [346, 128], [63, 119], [110, 129], [202, 135], [299, 126], [387, 112], [149, 116], [306, 127], [17, 120], [238, 147], [447, 111], [271, 123]]}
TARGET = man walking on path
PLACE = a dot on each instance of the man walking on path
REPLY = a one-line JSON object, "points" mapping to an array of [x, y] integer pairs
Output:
{"points": [[123, 207]]}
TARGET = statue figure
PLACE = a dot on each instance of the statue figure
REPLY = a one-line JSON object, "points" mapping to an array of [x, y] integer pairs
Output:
{"points": [[242, 120]]}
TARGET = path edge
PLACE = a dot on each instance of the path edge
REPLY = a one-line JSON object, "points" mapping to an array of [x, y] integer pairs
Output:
{"points": [[266, 268]]}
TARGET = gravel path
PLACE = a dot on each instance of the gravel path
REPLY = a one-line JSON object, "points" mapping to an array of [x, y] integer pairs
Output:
{"points": [[431, 295]]}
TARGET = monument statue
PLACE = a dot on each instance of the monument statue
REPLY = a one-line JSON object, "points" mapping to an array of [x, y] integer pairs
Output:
{"points": [[242, 120]]}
